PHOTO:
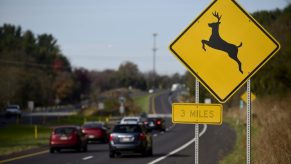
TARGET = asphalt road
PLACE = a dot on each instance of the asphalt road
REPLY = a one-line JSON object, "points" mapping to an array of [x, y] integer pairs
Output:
{"points": [[215, 143]]}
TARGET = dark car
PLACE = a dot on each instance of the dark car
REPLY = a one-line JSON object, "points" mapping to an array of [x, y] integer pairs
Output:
{"points": [[130, 138], [13, 111], [95, 131], [156, 123], [67, 137]]}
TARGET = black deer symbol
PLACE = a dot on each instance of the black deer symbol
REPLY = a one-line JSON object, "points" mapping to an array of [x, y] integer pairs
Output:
{"points": [[216, 42]]}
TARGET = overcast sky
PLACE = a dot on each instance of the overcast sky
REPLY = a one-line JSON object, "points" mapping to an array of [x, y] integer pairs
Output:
{"points": [[102, 34]]}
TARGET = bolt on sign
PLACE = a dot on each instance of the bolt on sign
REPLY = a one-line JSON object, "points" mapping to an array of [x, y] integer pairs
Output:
{"points": [[192, 113], [223, 47]]}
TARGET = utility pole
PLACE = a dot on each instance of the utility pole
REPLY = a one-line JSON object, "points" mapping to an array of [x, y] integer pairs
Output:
{"points": [[154, 59]]}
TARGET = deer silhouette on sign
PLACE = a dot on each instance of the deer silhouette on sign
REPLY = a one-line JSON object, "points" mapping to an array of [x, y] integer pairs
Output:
{"points": [[216, 42]]}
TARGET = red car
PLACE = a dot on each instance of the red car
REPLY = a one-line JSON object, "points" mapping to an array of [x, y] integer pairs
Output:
{"points": [[156, 123], [95, 131], [67, 137]]}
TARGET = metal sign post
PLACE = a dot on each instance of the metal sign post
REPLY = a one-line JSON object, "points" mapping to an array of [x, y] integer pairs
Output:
{"points": [[248, 122], [196, 125]]}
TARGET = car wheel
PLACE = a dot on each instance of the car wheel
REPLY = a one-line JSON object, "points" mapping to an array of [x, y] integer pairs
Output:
{"points": [[111, 154], [85, 148], [79, 149], [144, 152], [52, 150], [150, 151]]}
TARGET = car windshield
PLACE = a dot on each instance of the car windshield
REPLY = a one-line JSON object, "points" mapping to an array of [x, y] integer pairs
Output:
{"points": [[130, 120], [127, 129], [12, 107], [151, 119], [68, 130]]}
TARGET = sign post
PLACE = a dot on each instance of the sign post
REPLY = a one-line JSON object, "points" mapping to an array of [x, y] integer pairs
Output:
{"points": [[249, 109], [197, 125], [244, 97]]}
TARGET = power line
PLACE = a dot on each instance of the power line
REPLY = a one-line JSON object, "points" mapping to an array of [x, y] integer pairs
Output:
{"points": [[34, 65]]}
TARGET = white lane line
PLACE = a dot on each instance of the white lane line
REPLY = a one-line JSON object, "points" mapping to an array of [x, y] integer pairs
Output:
{"points": [[180, 148], [86, 158]]}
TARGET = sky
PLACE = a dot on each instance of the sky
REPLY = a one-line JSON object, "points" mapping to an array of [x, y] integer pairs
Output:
{"points": [[102, 34]]}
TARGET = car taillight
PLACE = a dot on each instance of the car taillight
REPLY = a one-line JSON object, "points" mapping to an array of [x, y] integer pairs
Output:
{"points": [[158, 122], [111, 137], [141, 137], [53, 135]]}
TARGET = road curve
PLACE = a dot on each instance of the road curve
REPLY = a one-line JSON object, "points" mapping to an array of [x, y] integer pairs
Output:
{"points": [[216, 142]]}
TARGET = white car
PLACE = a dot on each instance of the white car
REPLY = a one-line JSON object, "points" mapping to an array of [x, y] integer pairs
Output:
{"points": [[151, 90], [131, 120], [13, 110]]}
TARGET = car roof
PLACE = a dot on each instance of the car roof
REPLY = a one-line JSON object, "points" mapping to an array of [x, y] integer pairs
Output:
{"points": [[131, 117], [131, 124], [12, 106], [66, 126]]}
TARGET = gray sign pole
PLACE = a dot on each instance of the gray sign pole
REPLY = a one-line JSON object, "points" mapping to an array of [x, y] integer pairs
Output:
{"points": [[249, 109], [196, 125]]}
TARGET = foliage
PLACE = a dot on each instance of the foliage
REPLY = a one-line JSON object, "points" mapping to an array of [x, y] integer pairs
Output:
{"points": [[30, 67], [274, 77], [142, 102]]}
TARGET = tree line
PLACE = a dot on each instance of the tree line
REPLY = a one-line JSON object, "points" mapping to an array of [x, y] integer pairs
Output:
{"points": [[33, 68], [275, 77]]}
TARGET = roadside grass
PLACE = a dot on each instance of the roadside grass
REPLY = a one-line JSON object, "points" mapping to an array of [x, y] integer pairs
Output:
{"points": [[236, 118], [142, 102], [238, 155], [271, 131], [273, 144], [15, 138], [77, 120]]}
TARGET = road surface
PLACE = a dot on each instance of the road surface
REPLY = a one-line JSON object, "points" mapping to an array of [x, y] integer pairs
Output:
{"points": [[215, 143]]}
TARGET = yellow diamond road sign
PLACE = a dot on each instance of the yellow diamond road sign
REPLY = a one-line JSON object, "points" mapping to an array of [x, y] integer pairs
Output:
{"points": [[244, 97], [224, 47]]}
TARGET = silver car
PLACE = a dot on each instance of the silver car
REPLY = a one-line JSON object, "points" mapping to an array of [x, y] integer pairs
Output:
{"points": [[130, 138]]}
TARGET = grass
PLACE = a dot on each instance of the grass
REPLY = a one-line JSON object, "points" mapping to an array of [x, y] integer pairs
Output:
{"points": [[271, 132], [142, 102], [273, 143], [16, 138], [239, 152]]}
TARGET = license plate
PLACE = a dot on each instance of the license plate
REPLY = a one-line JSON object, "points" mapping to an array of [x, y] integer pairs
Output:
{"points": [[91, 136], [126, 139], [64, 138]]}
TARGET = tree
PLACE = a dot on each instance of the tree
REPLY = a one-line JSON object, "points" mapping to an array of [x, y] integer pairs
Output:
{"points": [[129, 75], [29, 70]]}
